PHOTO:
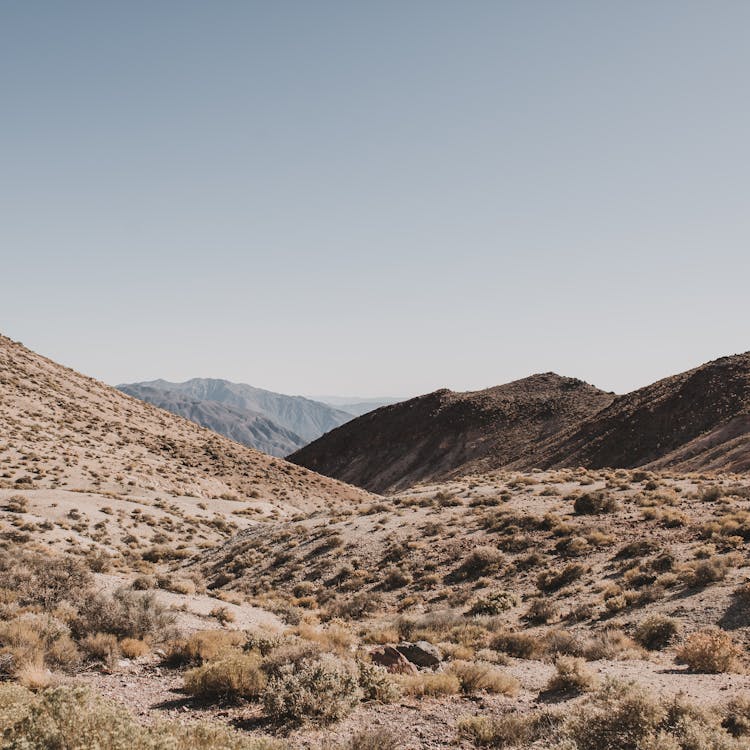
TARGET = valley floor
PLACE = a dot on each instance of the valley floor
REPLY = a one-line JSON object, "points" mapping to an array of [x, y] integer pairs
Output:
{"points": [[537, 590]]}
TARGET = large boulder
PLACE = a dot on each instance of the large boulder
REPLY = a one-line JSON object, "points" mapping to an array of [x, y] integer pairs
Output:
{"points": [[393, 661], [421, 653]]}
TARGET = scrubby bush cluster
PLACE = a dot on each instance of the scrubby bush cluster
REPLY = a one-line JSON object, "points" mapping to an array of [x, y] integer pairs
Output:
{"points": [[74, 717], [618, 716]]}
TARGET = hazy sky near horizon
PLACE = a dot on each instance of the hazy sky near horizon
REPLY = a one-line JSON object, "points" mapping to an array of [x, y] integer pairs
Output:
{"points": [[375, 198]]}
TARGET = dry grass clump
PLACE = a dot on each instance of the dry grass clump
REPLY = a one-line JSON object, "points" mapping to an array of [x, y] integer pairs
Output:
{"points": [[35, 641], [374, 739], [101, 646], [519, 644], [237, 676], [554, 579], [203, 646], [656, 632], [509, 730], [705, 572], [595, 503], [476, 676], [430, 684], [624, 716], [494, 603], [133, 648], [611, 643], [572, 674], [736, 719], [541, 611], [480, 561], [710, 650]]}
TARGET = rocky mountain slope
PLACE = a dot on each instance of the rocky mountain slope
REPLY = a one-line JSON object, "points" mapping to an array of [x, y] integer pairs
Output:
{"points": [[444, 434], [242, 425], [695, 421], [64, 431], [698, 420], [253, 416]]}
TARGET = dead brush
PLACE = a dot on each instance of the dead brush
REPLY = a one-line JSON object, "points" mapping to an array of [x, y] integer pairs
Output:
{"points": [[572, 674], [710, 651], [477, 676]]}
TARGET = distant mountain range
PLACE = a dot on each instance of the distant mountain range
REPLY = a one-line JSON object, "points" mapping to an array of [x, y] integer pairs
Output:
{"points": [[272, 422], [698, 420]]}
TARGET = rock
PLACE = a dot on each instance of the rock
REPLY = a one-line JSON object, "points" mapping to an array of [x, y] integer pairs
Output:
{"points": [[392, 660], [421, 653]]}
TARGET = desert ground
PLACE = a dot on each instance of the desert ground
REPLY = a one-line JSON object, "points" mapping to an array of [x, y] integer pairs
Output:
{"points": [[163, 587]]}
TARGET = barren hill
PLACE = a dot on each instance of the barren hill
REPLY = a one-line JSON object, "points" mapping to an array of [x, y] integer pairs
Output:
{"points": [[61, 430], [697, 420], [444, 433]]}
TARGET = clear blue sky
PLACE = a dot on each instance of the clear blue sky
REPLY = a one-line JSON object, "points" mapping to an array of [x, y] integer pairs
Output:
{"points": [[375, 197]]}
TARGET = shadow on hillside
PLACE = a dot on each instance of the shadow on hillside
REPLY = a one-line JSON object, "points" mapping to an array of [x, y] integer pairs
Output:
{"points": [[736, 616]]}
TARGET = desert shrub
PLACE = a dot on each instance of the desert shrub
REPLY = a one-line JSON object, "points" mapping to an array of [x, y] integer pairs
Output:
{"points": [[45, 580], [480, 561], [518, 644], [620, 716], [75, 718], [132, 648], [337, 637], [509, 730], [223, 614], [552, 580], [203, 646], [432, 684], [376, 683], [101, 646], [206, 736], [374, 739], [571, 673], [656, 632], [705, 572], [321, 690], [143, 583], [736, 719], [35, 641], [541, 611], [711, 494], [395, 578], [559, 642], [15, 703], [494, 603], [126, 614], [262, 643], [354, 607], [475, 676], [237, 676], [291, 653], [17, 504], [594, 503], [710, 650], [611, 643]]}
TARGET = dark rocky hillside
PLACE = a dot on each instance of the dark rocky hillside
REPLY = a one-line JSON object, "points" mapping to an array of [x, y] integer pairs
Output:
{"points": [[444, 434]]}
